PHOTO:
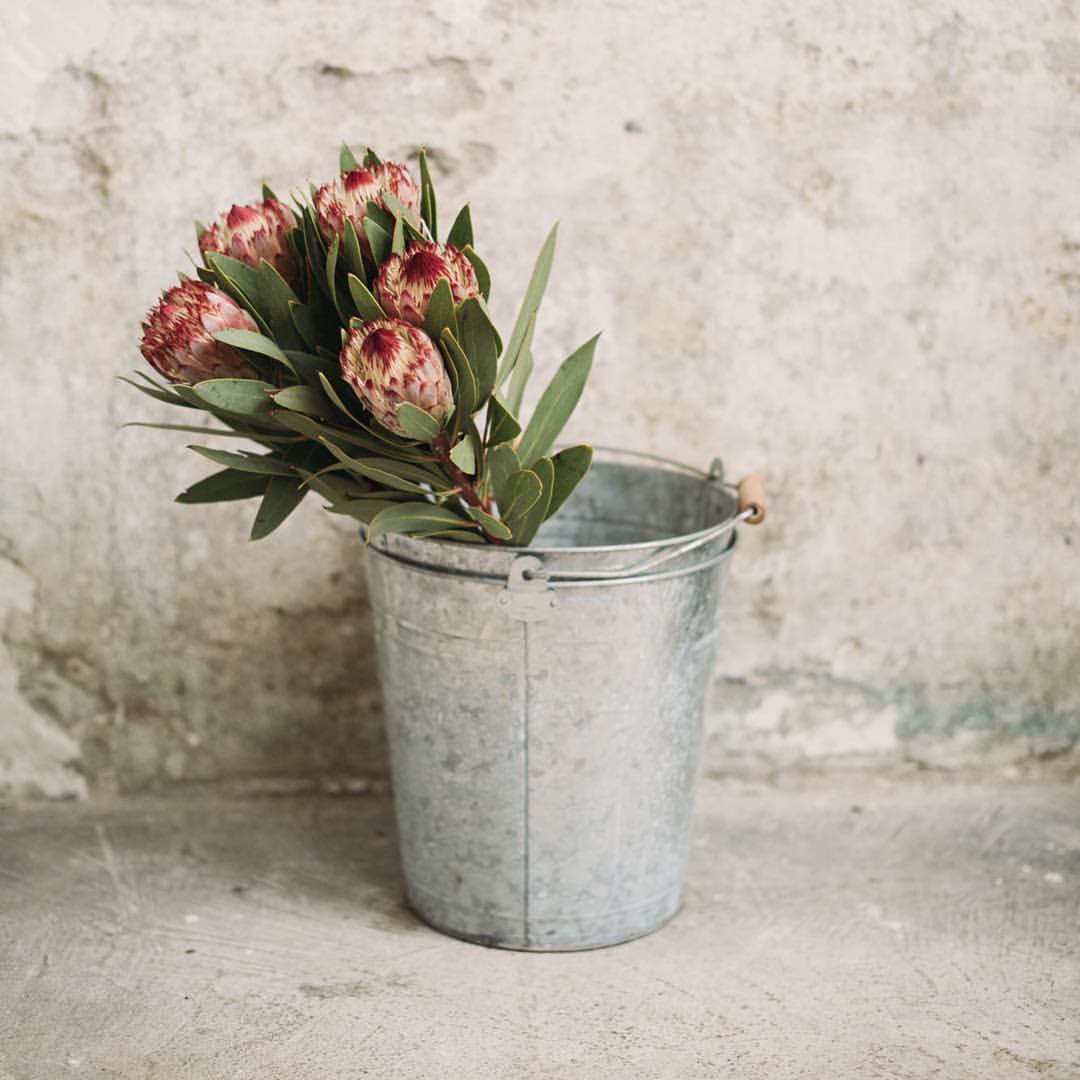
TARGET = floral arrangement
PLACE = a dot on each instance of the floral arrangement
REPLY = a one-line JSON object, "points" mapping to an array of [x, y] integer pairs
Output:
{"points": [[356, 350]]}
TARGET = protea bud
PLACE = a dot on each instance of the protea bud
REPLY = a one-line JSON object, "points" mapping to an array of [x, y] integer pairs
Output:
{"points": [[387, 362], [176, 335], [251, 233], [347, 196], [405, 282]]}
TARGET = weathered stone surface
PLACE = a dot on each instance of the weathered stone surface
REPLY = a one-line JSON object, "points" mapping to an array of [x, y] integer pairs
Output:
{"points": [[838, 246]]}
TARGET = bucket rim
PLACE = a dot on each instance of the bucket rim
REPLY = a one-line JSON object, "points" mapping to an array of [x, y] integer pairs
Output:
{"points": [[494, 551]]}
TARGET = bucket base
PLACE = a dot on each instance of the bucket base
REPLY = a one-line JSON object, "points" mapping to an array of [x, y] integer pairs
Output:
{"points": [[574, 934]]}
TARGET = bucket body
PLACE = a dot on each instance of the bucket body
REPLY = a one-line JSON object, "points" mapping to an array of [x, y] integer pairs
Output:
{"points": [[545, 736]]}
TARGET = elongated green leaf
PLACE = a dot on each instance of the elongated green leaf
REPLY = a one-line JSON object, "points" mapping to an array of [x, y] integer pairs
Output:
{"points": [[502, 424], [346, 159], [371, 158], [379, 240], [530, 305], [483, 275], [520, 493], [413, 517], [465, 388], [234, 273], [464, 455], [502, 463], [397, 240], [362, 509], [417, 423], [480, 340], [461, 234], [225, 486], [440, 313], [556, 404], [491, 525], [244, 397], [412, 234], [519, 378], [384, 471], [157, 394], [197, 429], [268, 193], [307, 366], [524, 525], [367, 307], [266, 465], [250, 342], [283, 495], [399, 209], [351, 250], [305, 324], [570, 467], [380, 215], [304, 399], [275, 297], [458, 536], [428, 209], [331, 392], [331, 275]]}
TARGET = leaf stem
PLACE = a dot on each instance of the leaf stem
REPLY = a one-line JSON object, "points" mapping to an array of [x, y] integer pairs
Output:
{"points": [[462, 481]]}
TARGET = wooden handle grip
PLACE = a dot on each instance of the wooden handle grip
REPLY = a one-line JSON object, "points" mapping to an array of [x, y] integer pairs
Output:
{"points": [[752, 496]]}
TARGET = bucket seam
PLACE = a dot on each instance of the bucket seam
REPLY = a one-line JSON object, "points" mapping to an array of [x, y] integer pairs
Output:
{"points": [[525, 793]]}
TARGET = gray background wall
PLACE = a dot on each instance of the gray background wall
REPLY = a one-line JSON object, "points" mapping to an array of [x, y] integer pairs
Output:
{"points": [[836, 243]]}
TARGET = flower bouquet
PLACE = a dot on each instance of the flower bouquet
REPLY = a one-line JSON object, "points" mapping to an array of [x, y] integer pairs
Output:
{"points": [[356, 351]]}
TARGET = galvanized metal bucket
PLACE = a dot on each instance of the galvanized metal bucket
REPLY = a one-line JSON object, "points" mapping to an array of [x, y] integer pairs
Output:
{"points": [[544, 707]]}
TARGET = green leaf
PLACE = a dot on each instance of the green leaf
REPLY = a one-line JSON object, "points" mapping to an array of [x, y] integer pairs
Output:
{"points": [[480, 340], [428, 210], [386, 472], [367, 307], [413, 517], [304, 399], [283, 495], [303, 320], [380, 215], [250, 342], [412, 234], [308, 366], [463, 455], [465, 388], [483, 275], [156, 393], [245, 397], [265, 465], [371, 158], [399, 209], [235, 274], [331, 275], [525, 525], [275, 297], [312, 429], [502, 424], [350, 249], [197, 429], [440, 313], [520, 493], [346, 159], [458, 536], [491, 525], [502, 463], [225, 486], [461, 235], [530, 305], [522, 370], [362, 509], [417, 423], [397, 241], [570, 466], [335, 397], [379, 240], [267, 193], [556, 404]]}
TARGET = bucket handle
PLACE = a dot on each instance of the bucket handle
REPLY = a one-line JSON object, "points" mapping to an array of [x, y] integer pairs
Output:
{"points": [[752, 508]]}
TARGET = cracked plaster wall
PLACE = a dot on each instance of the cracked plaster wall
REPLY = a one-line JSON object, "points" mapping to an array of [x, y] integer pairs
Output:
{"points": [[837, 244]]}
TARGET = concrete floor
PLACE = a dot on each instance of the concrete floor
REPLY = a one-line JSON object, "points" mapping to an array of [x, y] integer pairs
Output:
{"points": [[843, 926]]}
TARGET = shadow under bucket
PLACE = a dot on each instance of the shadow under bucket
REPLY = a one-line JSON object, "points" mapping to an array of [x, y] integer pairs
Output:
{"points": [[544, 707]]}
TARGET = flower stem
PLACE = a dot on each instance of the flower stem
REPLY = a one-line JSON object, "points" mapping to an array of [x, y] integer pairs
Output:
{"points": [[462, 481]]}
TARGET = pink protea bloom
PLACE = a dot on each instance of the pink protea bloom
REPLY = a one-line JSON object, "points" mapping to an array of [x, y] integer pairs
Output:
{"points": [[251, 233], [405, 282], [176, 335], [347, 196], [389, 361]]}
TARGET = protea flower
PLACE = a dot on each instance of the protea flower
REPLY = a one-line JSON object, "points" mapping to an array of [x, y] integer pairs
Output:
{"points": [[347, 196], [389, 361], [251, 233], [176, 335], [405, 282]]}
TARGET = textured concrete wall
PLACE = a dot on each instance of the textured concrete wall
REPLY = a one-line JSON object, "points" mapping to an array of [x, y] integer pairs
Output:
{"points": [[837, 243]]}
